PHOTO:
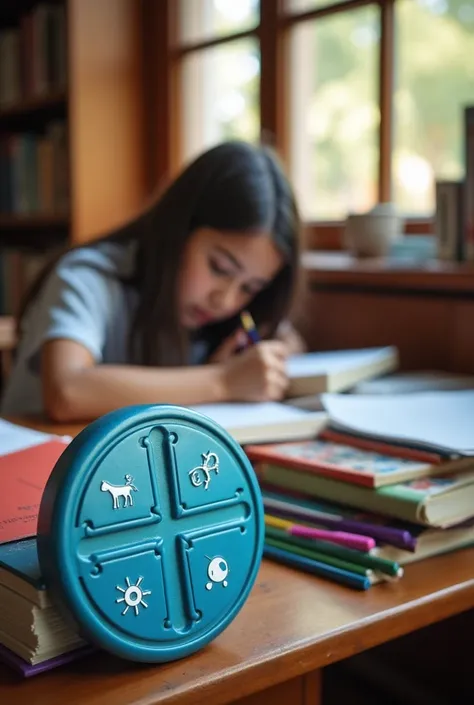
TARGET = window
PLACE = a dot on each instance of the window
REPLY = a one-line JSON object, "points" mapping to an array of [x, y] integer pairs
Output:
{"points": [[334, 116], [219, 73], [363, 98], [207, 19], [434, 79], [220, 87]]}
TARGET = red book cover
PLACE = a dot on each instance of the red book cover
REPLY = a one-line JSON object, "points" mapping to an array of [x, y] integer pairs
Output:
{"points": [[24, 474], [349, 463], [371, 444]]}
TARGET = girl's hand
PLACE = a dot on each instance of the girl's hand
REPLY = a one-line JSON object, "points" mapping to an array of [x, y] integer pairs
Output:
{"points": [[256, 374], [235, 342], [293, 341]]}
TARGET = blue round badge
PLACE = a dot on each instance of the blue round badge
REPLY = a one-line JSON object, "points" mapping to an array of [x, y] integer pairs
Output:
{"points": [[150, 531]]}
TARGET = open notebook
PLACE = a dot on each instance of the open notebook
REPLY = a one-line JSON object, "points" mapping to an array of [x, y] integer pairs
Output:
{"points": [[338, 370], [264, 422], [310, 374]]}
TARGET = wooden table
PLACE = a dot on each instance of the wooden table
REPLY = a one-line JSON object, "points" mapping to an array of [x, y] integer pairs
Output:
{"points": [[290, 628]]}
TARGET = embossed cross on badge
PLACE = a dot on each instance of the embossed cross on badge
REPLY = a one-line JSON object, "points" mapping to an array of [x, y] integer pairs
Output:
{"points": [[159, 531]]}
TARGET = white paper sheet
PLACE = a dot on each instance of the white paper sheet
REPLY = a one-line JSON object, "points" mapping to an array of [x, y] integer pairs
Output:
{"points": [[240, 415], [14, 437], [441, 420]]}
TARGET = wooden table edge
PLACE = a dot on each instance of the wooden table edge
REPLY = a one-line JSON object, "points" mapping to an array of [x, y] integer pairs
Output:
{"points": [[312, 655], [340, 644]]}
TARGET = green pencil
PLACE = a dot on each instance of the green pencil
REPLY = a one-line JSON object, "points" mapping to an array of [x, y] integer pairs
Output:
{"points": [[381, 565], [317, 556]]}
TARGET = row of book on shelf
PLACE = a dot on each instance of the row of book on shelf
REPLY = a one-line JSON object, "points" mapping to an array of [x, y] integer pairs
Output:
{"points": [[454, 199], [19, 268], [354, 489], [34, 171], [33, 55]]}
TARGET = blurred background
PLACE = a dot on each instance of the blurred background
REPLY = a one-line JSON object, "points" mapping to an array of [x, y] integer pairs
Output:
{"points": [[333, 72], [368, 102]]}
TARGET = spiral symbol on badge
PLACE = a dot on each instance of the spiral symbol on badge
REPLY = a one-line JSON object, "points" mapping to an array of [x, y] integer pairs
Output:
{"points": [[201, 474]]}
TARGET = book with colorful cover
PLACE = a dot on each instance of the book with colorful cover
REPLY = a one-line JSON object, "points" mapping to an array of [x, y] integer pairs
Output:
{"points": [[27, 458], [371, 444], [431, 501], [350, 464], [424, 541], [24, 474]]}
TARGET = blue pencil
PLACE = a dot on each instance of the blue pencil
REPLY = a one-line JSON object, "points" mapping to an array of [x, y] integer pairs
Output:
{"points": [[308, 565], [249, 327]]}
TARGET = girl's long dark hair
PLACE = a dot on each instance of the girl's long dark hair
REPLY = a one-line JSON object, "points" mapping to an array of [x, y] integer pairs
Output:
{"points": [[235, 186]]}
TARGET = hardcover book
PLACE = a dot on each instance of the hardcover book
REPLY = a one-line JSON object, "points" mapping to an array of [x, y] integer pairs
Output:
{"points": [[350, 464]]}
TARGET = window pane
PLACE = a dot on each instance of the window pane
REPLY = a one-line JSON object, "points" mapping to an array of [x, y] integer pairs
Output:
{"points": [[203, 19], [220, 95], [435, 77], [295, 6], [334, 113]]}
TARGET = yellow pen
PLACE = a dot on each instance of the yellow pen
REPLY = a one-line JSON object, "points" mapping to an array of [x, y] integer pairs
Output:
{"points": [[249, 327]]}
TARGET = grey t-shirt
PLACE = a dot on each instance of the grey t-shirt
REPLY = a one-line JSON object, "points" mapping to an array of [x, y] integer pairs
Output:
{"points": [[84, 299]]}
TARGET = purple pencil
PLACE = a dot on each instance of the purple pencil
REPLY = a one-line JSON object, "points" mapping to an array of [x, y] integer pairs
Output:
{"points": [[385, 534]]}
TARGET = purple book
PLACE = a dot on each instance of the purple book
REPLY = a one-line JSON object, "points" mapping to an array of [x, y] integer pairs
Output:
{"points": [[27, 669]]}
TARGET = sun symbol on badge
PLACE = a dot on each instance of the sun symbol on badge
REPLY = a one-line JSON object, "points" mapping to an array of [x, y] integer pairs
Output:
{"points": [[132, 595]]}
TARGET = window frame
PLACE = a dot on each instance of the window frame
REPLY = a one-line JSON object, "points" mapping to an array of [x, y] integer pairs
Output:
{"points": [[162, 59]]}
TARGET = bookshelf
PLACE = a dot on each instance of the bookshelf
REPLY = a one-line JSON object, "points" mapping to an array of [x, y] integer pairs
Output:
{"points": [[32, 105], [72, 157]]}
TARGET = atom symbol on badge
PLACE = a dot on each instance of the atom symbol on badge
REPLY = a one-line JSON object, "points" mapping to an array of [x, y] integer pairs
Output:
{"points": [[132, 596], [217, 571]]}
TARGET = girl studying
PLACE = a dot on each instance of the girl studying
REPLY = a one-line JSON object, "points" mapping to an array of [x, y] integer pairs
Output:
{"points": [[151, 312]]}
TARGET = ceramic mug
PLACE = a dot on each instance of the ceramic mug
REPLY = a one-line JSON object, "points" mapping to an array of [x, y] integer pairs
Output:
{"points": [[372, 234]]}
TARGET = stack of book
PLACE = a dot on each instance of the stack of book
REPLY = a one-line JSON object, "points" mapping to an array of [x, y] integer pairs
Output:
{"points": [[389, 481], [33, 634], [353, 492]]}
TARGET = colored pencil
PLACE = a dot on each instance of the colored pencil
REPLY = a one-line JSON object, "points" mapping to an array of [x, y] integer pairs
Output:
{"points": [[321, 557], [302, 509], [382, 565], [343, 538], [316, 568]]}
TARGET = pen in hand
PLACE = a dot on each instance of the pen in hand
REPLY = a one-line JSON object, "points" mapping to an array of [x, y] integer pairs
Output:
{"points": [[248, 324]]}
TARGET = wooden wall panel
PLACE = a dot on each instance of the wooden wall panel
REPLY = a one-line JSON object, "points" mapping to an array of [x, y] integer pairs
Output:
{"points": [[419, 326], [462, 337], [305, 690], [106, 114]]}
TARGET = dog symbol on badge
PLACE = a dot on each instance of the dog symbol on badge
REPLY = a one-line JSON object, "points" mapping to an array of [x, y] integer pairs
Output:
{"points": [[217, 571]]}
